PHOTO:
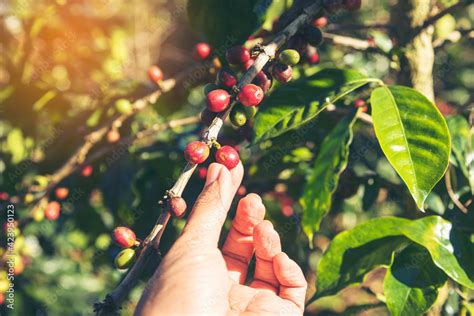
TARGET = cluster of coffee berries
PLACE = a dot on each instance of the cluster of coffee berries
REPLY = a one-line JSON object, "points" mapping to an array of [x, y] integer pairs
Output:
{"points": [[125, 238], [197, 152]]}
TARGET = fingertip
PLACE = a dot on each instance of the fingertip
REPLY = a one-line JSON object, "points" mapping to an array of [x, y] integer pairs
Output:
{"points": [[213, 172], [267, 240], [250, 212]]}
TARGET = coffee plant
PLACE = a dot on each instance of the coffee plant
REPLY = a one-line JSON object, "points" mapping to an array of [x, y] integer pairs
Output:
{"points": [[353, 120]]}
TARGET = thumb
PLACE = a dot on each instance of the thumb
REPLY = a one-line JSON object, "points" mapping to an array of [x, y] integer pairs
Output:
{"points": [[210, 210]]}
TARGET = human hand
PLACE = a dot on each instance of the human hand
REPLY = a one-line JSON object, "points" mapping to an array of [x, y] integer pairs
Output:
{"points": [[196, 278]]}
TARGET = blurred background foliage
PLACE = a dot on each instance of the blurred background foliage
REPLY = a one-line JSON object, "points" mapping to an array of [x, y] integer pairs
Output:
{"points": [[63, 65]]}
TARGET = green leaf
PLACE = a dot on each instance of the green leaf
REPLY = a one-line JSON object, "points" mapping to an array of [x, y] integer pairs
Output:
{"points": [[355, 252], [462, 145], [226, 23], [297, 103], [451, 249], [413, 135], [323, 180], [412, 281], [274, 11]]}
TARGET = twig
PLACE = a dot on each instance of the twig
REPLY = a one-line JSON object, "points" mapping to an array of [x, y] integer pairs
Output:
{"points": [[267, 52], [452, 195], [453, 37], [355, 26], [127, 141], [436, 17], [351, 42]]}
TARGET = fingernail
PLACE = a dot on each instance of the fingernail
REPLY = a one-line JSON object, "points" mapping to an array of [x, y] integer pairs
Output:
{"points": [[213, 173]]}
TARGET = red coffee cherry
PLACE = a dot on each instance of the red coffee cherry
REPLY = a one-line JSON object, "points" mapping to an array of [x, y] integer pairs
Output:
{"points": [[124, 237], [237, 55], [360, 104], [87, 171], [177, 207], [196, 152], [263, 80], [202, 172], [61, 193], [52, 210], [241, 191], [313, 59], [321, 22], [113, 136], [155, 74], [202, 51], [371, 41], [352, 5], [226, 78], [4, 196], [282, 73], [251, 95], [228, 156], [217, 100]]}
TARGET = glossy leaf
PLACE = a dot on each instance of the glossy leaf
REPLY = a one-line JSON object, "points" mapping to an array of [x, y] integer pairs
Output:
{"points": [[293, 105], [462, 145], [236, 20], [355, 252], [413, 135], [451, 249], [412, 281], [323, 180]]}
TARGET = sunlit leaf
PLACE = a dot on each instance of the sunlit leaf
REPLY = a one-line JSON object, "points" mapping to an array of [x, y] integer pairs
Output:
{"points": [[298, 103], [451, 249], [413, 135], [355, 252]]}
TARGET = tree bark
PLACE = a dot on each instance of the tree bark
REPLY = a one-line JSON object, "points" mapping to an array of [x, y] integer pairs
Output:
{"points": [[417, 58]]}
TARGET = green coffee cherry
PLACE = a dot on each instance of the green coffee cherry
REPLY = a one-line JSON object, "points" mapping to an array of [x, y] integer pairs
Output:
{"points": [[250, 112], [289, 57], [313, 35], [124, 106], [238, 116], [125, 258]]}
